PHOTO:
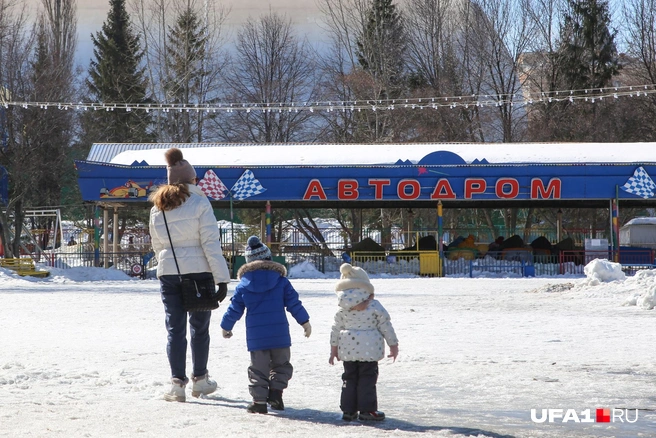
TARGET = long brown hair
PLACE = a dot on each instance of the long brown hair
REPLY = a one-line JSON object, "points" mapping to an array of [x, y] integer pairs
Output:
{"points": [[169, 196]]}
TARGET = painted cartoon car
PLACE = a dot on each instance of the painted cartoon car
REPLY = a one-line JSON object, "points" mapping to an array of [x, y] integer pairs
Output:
{"points": [[130, 189]]}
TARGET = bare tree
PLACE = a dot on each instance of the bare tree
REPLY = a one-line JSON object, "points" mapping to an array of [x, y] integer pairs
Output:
{"points": [[501, 31], [640, 16], [365, 62], [640, 19], [16, 42], [435, 58], [430, 24], [539, 67], [342, 21], [272, 65], [49, 131], [184, 57]]}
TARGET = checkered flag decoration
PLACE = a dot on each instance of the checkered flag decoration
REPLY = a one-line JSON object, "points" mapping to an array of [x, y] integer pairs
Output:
{"points": [[246, 186], [640, 184], [212, 186]]}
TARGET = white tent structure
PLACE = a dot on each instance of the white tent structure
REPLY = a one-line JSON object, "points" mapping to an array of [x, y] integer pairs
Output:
{"points": [[639, 232]]}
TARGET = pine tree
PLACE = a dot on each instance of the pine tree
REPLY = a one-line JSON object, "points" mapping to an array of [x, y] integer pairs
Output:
{"points": [[587, 56], [585, 59], [381, 45], [49, 131], [185, 76], [116, 76], [379, 50]]}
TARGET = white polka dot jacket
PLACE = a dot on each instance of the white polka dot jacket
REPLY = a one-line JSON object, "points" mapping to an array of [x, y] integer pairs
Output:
{"points": [[360, 335]]}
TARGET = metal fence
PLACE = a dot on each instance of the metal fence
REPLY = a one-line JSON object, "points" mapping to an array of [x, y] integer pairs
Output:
{"points": [[424, 263], [134, 257], [562, 263], [135, 264], [398, 263]]}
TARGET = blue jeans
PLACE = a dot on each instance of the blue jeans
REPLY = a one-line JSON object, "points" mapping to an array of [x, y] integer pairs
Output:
{"points": [[176, 326]]}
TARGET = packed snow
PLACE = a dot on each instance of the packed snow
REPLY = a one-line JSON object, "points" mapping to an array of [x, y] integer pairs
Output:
{"points": [[84, 355]]}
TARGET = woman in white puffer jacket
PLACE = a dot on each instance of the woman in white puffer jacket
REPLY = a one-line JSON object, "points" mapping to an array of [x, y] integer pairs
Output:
{"points": [[358, 336], [195, 238]]}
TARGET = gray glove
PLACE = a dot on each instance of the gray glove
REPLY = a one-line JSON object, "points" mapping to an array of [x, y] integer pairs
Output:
{"points": [[227, 333], [307, 328]]}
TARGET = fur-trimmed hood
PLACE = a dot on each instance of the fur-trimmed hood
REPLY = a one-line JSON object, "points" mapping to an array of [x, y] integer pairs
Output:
{"points": [[261, 276], [256, 265]]}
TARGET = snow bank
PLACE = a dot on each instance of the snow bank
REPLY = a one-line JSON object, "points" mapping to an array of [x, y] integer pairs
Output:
{"points": [[602, 271], [643, 293], [82, 274], [305, 269]]}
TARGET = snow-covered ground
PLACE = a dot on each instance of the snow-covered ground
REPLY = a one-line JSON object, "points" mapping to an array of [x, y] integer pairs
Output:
{"points": [[82, 354]]}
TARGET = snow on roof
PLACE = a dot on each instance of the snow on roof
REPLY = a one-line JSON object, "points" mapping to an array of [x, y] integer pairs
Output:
{"points": [[642, 221], [308, 154]]}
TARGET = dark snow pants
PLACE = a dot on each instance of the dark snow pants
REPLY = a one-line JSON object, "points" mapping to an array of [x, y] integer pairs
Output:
{"points": [[270, 369], [359, 387]]}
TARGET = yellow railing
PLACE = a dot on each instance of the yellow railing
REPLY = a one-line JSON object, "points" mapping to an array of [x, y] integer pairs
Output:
{"points": [[426, 263], [23, 267]]}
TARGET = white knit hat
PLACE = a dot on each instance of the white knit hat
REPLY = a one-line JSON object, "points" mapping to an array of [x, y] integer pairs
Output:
{"points": [[353, 277]]}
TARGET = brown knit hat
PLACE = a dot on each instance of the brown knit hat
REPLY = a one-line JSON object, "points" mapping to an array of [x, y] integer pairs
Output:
{"points": [[178, 169]]}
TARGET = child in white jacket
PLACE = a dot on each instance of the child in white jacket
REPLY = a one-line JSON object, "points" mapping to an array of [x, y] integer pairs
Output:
{"points": [[362, 325]]}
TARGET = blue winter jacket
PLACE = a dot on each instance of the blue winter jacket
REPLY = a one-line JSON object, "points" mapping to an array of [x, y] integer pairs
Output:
{"points": [[264, 292]]}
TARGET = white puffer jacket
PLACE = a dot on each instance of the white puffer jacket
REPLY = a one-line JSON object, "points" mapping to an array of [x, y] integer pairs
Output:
{"points": [[359, 334], [195, 237]]}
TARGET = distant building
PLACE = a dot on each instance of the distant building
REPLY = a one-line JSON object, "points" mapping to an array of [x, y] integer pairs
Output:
{"points": [[534, 68]]}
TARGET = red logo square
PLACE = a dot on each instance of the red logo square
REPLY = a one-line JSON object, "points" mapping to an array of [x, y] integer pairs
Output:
{"points": [[603, 415]]}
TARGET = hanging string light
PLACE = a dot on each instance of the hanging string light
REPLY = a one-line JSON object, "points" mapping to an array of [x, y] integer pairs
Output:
{"points": [[452, 102]]}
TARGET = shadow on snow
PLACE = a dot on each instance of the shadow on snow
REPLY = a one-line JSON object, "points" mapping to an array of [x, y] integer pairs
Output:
{"points": [[335, 419]]}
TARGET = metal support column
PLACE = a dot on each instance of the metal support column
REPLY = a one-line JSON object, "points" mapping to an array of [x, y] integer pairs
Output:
{"points": [[115, 237]]}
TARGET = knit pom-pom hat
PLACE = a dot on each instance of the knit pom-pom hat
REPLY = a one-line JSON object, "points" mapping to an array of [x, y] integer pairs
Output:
{"points": [[353, 277], [256, 250], [178, 170]]}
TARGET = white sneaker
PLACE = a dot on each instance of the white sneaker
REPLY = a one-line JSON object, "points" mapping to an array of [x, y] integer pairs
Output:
{"points": [[177, 392], [202, 385]]}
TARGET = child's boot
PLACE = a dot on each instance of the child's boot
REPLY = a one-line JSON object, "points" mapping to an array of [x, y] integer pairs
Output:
{"points": [[257, 408], [349, 416], [372, 416], [177, 391], [202, 385], [275, 400]]}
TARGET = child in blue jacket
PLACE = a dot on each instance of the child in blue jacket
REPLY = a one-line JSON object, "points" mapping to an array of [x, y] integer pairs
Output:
{"points": [[265, 292]]}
